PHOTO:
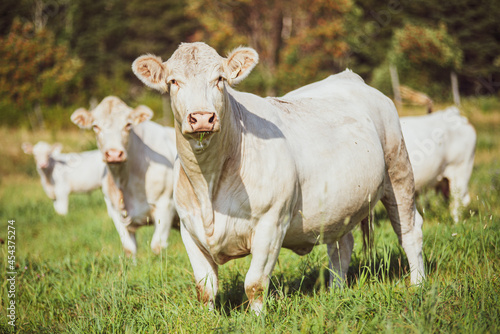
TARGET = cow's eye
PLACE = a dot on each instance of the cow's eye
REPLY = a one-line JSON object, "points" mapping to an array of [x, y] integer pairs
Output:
{"points": [[128, 126], [174, 82], [220, 81]]}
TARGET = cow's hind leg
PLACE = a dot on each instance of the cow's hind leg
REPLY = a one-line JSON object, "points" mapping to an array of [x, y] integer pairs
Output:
{"points": [[339, 254], [459, 176], [399, 200], [163, 222]]}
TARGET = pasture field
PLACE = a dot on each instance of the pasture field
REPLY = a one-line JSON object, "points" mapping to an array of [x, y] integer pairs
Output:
{"points": [[72, 275]]}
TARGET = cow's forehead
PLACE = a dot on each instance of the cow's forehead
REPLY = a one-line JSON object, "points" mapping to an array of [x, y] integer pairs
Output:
{"points": [[41, 148], [111, 108], [193, 59]]}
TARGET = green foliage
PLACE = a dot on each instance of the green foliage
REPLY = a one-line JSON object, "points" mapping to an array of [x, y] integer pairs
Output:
{"points": [[298, 41], [475, 28], [35, 68], [417, 46], [318, 48]]}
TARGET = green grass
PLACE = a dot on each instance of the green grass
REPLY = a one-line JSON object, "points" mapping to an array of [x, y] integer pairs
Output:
{"points": [[73, 277]]}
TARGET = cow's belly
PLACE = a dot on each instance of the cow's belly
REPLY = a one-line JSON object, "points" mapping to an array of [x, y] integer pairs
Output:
{"points": [[336, 194], [428, 174]]}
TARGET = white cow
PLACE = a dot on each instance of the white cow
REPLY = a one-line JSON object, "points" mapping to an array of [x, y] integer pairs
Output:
{"points": [[65, 173], [139, 156], [441, 146], [257, 174]]}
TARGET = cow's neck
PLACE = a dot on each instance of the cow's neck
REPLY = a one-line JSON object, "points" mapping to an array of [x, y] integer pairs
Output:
{"points": [[204, 168], [118, 179], [120, 175], [47, 179]]}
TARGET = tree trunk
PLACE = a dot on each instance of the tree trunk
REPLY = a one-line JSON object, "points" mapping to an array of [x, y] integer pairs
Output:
{"points": [[454, 88], [39, 116], [395, 85]]}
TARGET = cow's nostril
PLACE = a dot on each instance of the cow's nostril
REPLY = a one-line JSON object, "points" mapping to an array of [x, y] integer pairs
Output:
{"points": [[211, 120], [192, 120]]}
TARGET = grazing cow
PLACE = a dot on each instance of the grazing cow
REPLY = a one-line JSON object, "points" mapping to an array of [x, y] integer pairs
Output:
{"points": [[139, 156], [441, 146], [65, 173], [257, 174]]}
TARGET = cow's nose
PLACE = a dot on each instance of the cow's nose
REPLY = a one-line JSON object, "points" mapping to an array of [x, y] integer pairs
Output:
{"points": [[43, 164], [114, 155], [202, 121]]}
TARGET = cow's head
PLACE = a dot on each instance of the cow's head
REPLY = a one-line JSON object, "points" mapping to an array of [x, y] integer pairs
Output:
{"points": [[195, 77], [42, 152], [112, 120]]}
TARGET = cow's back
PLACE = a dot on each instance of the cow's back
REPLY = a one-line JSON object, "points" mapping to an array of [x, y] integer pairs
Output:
{"points": [[79, 172]]}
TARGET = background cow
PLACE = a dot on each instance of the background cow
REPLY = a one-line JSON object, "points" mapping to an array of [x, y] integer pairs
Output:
{"points": [[139, 156], [441, 146], [65, 173], [257, 174]]}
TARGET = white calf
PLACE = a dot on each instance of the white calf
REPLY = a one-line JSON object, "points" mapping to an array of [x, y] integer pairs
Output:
{"points": [[65, 173]]}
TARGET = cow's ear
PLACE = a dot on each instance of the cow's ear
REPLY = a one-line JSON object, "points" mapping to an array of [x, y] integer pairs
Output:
{"points": [[27, 148], [141, 114], [239, 63], [56, 148], [151, 70], [82, 117]]}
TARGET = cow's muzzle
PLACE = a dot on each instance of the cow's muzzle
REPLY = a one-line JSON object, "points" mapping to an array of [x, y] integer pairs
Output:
{"points": [[114, 156], [203, 121]]}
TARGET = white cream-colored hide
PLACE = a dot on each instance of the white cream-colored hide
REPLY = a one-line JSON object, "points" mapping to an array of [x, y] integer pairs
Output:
{"points": [[139, 156], [64, 173], [441, 146], [257, 174]]}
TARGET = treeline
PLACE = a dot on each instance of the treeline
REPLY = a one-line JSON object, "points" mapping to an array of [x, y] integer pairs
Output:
{"points": [[61, 53]]}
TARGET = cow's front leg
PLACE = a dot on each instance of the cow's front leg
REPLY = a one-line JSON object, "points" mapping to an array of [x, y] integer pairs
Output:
{"points": [[127, 237], [204, 268], [266, 245], [164, 216], [61, 202]]}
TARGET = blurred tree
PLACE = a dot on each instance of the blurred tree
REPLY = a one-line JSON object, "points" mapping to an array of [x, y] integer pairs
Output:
{"points": [[109, 35], [298, 41], [97, 31], [424, 58], [475, 27], [10, 10], [316, 47], [370, 25], [35, 69], [421, 47]]}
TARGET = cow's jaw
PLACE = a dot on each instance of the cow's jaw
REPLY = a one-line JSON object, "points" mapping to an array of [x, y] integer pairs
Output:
{"points": [[201, 141]]}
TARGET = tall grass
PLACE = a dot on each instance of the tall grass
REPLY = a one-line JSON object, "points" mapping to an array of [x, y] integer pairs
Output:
{"points": [[73, 277]]}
